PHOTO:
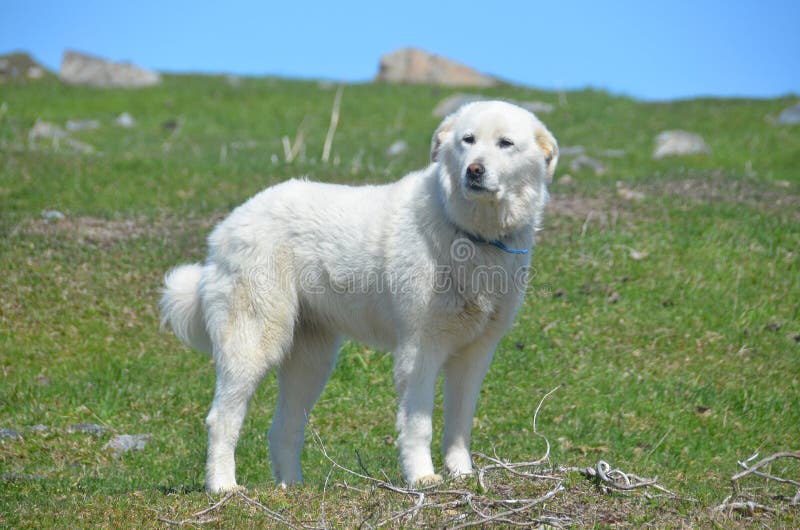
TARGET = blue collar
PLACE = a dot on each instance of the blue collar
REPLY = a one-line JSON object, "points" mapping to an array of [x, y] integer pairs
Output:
{"points": [[496, 243], [474, 237]]}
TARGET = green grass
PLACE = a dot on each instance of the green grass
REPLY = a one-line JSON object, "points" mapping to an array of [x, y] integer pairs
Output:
{"points": [[675, 365]]}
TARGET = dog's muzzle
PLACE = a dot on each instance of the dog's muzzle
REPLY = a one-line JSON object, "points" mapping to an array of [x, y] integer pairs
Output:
{"points": [[475, 173]]}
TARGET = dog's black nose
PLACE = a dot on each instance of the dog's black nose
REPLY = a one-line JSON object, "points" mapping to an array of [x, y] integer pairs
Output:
{"points": [[475, 175]]}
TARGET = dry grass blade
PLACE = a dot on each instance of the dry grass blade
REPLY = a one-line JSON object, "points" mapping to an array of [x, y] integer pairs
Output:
{"points": [[326, 148]]}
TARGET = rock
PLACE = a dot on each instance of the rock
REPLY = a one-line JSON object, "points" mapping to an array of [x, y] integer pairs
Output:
{"points": [[45, 130], [9, 434], [82, 125], [397, 148], [628, 194], [679, 143], [127, 442], [790, 116], [39, 428], [584, 161], [87, 428], [57, 137], [80, 147], [571, 150], [125, 121], [452, 103], [613, 153], [35, 72], [20, 65], [20, 477], [565, 180], [234, 81], [410, 65], [81, 69], [53, 215], [537, 107]]}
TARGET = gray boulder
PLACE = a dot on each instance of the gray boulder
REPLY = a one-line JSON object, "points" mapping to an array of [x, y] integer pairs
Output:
{"points": [[410, 65], [452, 103], [679, 143], [790, 116], [81, 69]]}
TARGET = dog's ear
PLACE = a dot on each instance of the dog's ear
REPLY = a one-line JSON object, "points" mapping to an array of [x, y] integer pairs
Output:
{"points": [[548, 144], [442, 134]]}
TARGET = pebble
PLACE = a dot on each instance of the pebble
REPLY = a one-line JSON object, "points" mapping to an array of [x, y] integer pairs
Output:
{"points": [[82, 125], [53, 215], [9, 434], [127, 442], [39, 428], [88, 428], [397, 148], [789, 116], [583, 161], [125, 121]]}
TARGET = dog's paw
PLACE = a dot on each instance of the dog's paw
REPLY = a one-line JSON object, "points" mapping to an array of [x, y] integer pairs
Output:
{"points": [[460, 475], [224, 489], [289, 484], [427, 481]]}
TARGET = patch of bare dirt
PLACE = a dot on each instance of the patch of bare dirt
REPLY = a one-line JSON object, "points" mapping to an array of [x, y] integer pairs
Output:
{"points": [[577, 206], [771, 196], [107, 231]]}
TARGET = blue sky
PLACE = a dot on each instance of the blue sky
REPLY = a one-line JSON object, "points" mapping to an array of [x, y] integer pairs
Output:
{"points": [[648, 49]]}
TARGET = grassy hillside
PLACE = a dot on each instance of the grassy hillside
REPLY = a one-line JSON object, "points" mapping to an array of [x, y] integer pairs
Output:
{"points": [[665, 303]]}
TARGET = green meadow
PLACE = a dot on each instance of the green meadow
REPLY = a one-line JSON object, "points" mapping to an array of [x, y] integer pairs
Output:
{"points": [[664, 306]]}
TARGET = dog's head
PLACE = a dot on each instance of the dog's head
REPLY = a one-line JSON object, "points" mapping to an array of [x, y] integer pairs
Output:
{"points": [[496, 160]]}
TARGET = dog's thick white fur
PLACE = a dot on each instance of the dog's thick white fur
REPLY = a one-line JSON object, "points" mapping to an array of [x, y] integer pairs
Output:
{"points": [[415, 267]]}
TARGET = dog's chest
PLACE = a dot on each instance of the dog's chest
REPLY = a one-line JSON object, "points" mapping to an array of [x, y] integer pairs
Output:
{"points": [[481, 298]]}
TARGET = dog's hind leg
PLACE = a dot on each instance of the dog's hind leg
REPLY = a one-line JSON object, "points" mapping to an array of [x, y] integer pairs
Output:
{"points": [[301, 378], [251, 346]]}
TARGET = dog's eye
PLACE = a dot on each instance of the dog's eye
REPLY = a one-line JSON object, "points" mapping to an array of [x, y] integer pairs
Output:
{"points": [[505, 143], [468, 139]]}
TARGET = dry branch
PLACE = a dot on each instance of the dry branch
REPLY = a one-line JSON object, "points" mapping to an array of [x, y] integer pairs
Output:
{"points": [[200, 518], [761, 463], [733, 503]]}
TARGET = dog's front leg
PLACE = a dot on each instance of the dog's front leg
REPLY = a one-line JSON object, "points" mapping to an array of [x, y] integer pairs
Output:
{"points": [[415, 379], [463, 375]]}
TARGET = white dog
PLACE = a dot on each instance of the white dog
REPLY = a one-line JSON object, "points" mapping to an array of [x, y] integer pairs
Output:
{"points": [[431, 267]]}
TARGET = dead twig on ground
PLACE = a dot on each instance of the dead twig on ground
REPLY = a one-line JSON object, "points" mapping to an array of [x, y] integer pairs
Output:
{"points": [[754, 469], [199, 518], [202, 517], [735, 503]]}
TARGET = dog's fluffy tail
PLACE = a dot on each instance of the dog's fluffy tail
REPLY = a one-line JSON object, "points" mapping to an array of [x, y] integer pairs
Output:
{"points": [[182, 309]]}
